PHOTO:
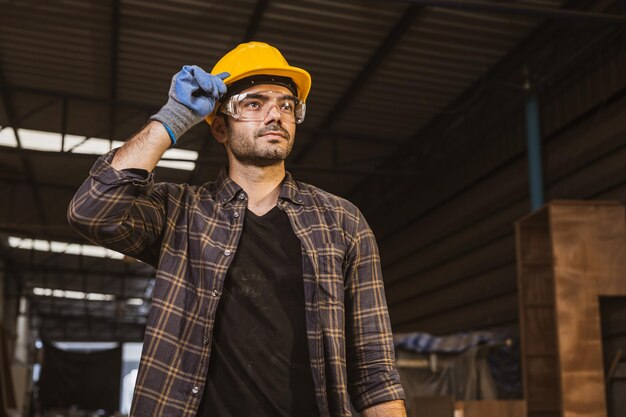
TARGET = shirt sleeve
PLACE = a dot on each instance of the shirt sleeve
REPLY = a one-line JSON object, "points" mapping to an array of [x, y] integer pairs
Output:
{"points": [[120, 210], [372, 374]]}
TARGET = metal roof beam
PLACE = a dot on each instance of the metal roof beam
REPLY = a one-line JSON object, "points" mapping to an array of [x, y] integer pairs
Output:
{"points": [[59, 330], [381, 53], [149, 109], [114, 57], [13, 121], [32, 112], [49, 270], [523, 9], [93, 99], [255, 20], [83, 318], [35, 231], [513, 61], [114, 53]]}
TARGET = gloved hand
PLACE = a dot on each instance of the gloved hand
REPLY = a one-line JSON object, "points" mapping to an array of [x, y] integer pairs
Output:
{"points": [[192, 97]]}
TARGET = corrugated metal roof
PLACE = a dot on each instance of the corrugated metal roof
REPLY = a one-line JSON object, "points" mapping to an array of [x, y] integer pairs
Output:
{"points": [[381, 72]]}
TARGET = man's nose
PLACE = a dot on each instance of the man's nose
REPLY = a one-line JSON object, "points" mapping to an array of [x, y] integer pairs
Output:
{"points": [[273, 114]]}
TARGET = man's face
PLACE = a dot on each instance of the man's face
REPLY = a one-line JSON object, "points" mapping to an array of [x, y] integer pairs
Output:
{"points": [[265, 142]]}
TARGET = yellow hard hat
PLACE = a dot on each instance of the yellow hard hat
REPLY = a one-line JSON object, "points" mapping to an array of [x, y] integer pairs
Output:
{"points": [[258, 58]]}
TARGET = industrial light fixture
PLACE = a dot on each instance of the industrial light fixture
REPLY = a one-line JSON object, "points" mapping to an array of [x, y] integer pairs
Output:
{"points": [[38, 140], [74, 295], [79, 295], [134, 301], [63, 247]]}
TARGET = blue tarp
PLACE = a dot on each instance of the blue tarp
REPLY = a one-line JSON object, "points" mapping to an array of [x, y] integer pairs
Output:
{"points": [[455, 343], [503, 357]]}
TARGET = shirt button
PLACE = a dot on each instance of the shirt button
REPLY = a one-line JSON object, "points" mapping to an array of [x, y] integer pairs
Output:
{"points": [[215, 293], [206, 340], [195, 390], [227, 252], [236, 214], [242, 196]]}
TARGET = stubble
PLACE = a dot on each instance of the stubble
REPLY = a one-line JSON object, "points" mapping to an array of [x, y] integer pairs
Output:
{"points": [[252, 150]]}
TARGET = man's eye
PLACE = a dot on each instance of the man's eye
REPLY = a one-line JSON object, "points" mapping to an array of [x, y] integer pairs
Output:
{"points": [[287, 106], [252, 105]]}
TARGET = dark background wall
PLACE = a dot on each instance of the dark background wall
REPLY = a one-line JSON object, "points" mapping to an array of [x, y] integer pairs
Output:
{"points": [[447, 240]]}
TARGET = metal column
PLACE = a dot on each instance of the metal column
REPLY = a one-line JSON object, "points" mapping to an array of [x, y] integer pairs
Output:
{"points": [[535, 162]]}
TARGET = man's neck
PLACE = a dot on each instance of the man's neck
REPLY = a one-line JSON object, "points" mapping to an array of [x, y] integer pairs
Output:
{"points": [[261, 184]]}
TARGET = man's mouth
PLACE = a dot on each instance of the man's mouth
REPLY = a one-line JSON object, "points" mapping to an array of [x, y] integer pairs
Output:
{"points": [[274, 136], [281, 134]]}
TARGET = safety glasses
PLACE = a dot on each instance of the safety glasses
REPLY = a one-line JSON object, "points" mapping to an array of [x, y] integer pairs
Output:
{"points": [[255, 106]]}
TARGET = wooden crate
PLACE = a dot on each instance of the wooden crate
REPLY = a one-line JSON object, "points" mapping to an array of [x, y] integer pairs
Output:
{"points": [[568, 255], [490, 408], [440, 406]]}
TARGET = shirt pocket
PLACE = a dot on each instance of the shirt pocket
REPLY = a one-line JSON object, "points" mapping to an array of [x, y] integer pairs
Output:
{"points": [[330, 279]]}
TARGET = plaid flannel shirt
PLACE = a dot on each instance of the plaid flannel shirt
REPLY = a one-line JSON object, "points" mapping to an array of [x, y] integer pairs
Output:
{"points": [[189, 234]]}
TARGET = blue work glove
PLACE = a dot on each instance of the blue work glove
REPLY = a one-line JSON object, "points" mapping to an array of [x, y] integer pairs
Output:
{"points": [[192, 97]]}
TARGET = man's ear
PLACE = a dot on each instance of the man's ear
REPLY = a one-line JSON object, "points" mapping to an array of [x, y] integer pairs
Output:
{"points": [[218, 128]]}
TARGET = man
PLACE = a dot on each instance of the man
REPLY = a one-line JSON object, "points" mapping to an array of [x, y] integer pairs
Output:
{"points": [[268, 298]]}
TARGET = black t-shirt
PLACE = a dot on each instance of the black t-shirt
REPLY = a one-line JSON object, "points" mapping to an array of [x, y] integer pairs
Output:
{"points": [[259, 364]]}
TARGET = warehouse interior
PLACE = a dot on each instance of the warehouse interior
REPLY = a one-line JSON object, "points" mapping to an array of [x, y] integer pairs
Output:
{"points": [[483, 140]]}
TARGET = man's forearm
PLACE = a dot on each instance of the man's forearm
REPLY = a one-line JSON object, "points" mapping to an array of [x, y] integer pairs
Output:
{"points": [[144, 149], [389, 409]]}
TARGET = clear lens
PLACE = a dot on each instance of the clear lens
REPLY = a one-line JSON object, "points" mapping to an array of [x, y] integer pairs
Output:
{"points": [[255, 106]]}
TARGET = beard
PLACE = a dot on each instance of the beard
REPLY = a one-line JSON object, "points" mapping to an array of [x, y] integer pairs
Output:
{"points": [[249, 150]]}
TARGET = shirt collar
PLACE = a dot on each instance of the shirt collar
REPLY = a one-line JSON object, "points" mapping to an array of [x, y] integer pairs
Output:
{"points": [[227, 189], [290, 191]]}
